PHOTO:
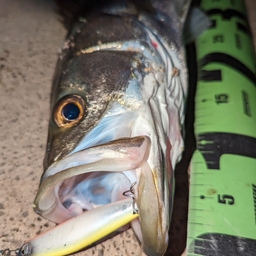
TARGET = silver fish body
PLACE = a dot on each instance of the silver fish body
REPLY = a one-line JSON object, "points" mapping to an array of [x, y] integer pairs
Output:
{"points": [[117, 109]]}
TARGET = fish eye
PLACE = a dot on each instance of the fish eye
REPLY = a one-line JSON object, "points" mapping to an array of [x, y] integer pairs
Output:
{"points": [[69, 110]]}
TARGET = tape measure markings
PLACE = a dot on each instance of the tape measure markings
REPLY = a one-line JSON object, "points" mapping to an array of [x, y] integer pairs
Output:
{"points": [[213, 145], [222, 200], [216, 75]]}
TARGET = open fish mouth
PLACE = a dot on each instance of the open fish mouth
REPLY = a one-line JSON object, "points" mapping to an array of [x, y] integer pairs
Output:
{"points": [[92, 177], [116, 129]]}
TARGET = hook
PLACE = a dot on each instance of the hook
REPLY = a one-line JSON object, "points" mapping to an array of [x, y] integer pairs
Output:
{"points": [[130, 193]]}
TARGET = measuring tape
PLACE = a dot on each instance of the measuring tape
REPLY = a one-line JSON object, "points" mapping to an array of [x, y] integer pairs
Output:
{"points": [[222, 200]]}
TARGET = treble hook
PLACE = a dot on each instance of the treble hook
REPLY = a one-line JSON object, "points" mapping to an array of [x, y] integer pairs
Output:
{"points": [[130, 193]]}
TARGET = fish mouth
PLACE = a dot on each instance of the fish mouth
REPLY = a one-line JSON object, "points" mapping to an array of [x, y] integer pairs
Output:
{"points": [[93, 177]]}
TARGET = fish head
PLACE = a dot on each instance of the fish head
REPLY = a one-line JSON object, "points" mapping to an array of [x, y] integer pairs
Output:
{"points": [[108, 139]]}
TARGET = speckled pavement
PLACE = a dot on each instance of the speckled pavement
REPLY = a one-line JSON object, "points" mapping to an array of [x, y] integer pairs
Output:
{"points": [[30, 38]]}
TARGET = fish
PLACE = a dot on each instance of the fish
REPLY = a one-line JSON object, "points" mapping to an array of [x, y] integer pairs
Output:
{"points": [[116, 126]]}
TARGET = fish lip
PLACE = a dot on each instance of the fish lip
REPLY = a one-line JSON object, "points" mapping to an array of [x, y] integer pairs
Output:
{"points": [[114, 145], [120, 156]]}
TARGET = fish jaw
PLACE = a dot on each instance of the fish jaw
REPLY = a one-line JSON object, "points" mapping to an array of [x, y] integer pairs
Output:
{"points": [[116, 157], [125, 161]]}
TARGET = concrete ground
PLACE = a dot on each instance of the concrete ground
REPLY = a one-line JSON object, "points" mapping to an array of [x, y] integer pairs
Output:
{"points": [[30, 38]]}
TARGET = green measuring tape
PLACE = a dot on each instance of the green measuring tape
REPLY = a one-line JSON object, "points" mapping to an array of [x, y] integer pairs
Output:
{"points": [[222, 200]]}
